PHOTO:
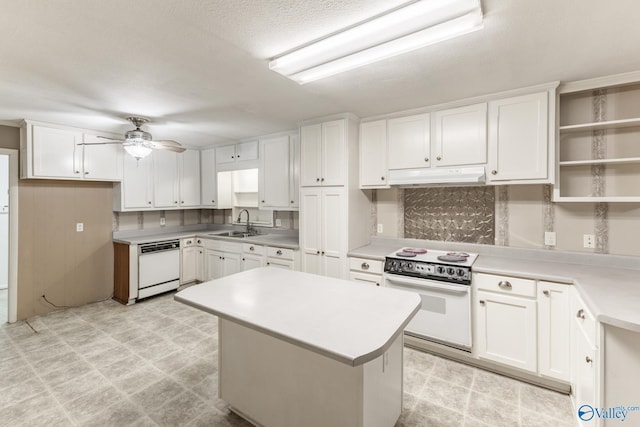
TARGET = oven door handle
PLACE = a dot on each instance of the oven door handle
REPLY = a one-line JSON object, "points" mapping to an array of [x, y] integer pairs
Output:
{"points": [[417, 284]]}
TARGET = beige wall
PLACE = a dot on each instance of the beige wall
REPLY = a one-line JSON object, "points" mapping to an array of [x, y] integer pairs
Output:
{"points": [[529, 213], [9, 137]]}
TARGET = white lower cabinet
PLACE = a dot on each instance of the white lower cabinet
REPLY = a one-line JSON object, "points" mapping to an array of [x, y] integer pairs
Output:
{"points": [[282, 258], [523, 323], [189, 253], [364, 270], [252, 257], [221, 258]]}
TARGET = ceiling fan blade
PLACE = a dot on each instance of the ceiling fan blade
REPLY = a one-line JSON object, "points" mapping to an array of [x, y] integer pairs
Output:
{"points": [[169, 148], [106, 137], [166, 143], [100, 143]]}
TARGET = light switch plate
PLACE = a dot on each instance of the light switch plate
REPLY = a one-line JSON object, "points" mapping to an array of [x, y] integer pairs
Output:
{"points": [[380, 228], [278, 222], [79, 227], [550, 238], [162, 221]]}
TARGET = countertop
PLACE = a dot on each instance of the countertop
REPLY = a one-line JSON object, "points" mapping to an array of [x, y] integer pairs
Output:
{"points": [[609, 285], [279, 238], [346, 321]]}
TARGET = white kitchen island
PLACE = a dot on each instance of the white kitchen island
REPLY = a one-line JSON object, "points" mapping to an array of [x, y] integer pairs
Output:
{"points": [[297, 349]]}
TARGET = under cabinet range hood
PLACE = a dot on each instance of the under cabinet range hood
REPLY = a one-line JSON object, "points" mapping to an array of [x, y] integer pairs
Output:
{"points": [[439, 176]]}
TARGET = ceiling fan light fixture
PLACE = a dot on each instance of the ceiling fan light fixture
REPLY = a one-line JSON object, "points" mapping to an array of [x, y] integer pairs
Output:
{"points": [[137, 148]]}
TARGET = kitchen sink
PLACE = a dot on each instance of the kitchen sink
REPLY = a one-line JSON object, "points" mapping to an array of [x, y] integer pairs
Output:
{"points": [[235, 233]]}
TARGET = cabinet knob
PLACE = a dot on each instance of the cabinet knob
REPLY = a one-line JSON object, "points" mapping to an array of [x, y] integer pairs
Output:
{"points": [[292, 202], [149, 202], [233, 157], [382, 178], [268, 263], [580, 314], [199, 241], [322, 179], [77, 171], [243, 259], [377, 284], [86, 173], [278, 252], [494, 172], [317, 179], [481, 302], [317, 252], [426, 159], [364, 266], [438, 158], [238, 156], [505, 285], [252, 248], [189, 242], [213, 201], [261, 201], [322, 253], [175, 202], [588, 359], [545, 293]]}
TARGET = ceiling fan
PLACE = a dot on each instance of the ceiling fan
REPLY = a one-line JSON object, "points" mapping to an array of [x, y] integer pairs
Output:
{"points": [[139, 143]]}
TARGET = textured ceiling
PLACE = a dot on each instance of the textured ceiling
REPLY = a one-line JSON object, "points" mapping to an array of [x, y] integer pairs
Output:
{"points": [[198, 68]]}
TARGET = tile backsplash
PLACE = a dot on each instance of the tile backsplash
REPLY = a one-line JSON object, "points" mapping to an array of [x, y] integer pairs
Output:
{"points": [[462, 214]]}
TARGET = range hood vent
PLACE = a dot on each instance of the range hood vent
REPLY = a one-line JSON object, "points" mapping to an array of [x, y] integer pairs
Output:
{"points": [[439, 176]]}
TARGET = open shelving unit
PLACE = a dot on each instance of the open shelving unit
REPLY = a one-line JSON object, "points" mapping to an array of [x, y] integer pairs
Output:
{"points": [[599, 144]]}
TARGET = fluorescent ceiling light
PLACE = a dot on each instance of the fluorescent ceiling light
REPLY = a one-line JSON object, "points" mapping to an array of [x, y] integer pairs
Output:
{"points": [[401, 30]]}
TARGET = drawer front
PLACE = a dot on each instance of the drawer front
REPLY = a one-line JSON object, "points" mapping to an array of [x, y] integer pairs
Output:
{"points": [[185, 243], [250, 248], [505, 284], [280, 253], [583, 317], [370, 279], [365, 265], [232, 247], [212, 244]]}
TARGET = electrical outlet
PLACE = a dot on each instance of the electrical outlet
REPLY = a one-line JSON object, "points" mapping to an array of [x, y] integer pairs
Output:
{"points": [[589, 241], [79, 227], [162, 221], [278, 222], [229, 220], [550, 238], [380, 228]]}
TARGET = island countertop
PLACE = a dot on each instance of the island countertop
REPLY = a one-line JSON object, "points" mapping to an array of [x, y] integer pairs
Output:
{"points": [[350, 322]]}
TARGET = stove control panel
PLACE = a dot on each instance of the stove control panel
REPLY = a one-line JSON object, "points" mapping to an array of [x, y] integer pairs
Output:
{"points": [[449, 273]]}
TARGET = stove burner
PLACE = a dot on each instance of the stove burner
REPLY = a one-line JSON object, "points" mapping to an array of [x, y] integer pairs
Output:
{"points": [[405, 254], [453, 257], [418, 251], [463, 254]]}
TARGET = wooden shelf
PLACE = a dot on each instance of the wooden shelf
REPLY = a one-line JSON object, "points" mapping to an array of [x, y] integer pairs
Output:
{"points": [[620, 161], [611, 124], [589, 199]]}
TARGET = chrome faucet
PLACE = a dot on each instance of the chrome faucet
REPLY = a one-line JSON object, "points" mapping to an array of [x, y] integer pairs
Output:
{"points": [[239, 219]]}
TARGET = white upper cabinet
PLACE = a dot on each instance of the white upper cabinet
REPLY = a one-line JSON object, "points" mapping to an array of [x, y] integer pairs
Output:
{"points": [[409, 142], [519, 138], [136, 189], [294, 172], [373, 154], [240, 152], [58, 152], [209, 187], [323, 153], [165, 179], [189, 183], [275, 172], [460, 136]]}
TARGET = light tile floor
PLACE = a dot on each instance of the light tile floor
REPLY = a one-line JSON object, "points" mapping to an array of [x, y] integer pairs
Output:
{"points": [[155, 363]]}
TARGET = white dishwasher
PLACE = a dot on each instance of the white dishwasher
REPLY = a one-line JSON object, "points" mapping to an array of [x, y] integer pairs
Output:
{"points": [[158, 267]]}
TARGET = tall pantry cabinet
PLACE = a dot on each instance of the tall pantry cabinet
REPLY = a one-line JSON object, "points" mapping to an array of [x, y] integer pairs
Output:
{"points": [[334, 213]]}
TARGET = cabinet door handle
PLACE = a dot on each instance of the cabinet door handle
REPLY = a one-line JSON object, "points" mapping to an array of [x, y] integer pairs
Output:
{"points": [[580, 314], [505, 284], [382, 178], [482, 302], [546, 293], [426, 159], [438, 158], [494, 172], [278, 252], [588, 359], [364, 266]]}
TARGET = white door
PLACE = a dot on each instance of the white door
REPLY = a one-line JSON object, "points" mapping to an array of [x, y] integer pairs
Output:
{"points": [[137, 182], [231, 263], [333, 153], [249, 262], [373, 154], [225, 154], [310, 229], [554, 326], [247, 151], [310, 155], [408, 142], [518, 138], [213, 264], [188, 264], [4, 226], [209, 187], [102, 161], [189, 178], [584, 370], [56, 153], [460, 136], [333, 239], [274, 173], [507, 330], [294, 172], [165, 183], [200, 264]]}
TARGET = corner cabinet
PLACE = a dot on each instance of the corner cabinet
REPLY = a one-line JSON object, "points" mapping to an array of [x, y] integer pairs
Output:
{"points": [[49, 151], [520, 130]]}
